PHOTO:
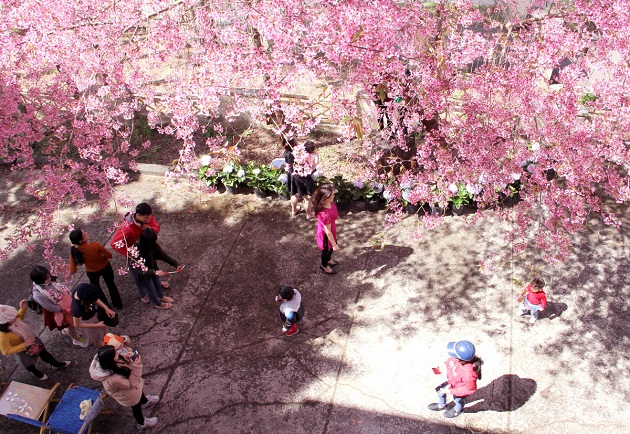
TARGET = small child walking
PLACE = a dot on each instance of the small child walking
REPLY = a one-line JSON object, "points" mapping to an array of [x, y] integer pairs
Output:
{"points": [[533, 299], [463, 369], [291, 309]]}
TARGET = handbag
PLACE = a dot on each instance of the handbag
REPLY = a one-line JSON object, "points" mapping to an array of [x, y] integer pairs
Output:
{"points": [[101, 315], [34, 349], [33, 305]]}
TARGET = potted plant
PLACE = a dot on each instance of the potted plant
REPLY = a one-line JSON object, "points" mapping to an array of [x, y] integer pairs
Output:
{"points": [[210, 175], [436, 208], [511, 194], [257, 178], [277, 182], [233, 176], [460, 198], [343, 192], [411, 205], [372, 194]]}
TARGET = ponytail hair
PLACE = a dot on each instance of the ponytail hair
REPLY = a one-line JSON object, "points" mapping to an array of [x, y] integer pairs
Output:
{"points": [[75, 238], [477, 362]]}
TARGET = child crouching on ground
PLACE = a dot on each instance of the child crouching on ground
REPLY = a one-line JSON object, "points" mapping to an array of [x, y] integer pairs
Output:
{"points": [[533, 299], [291, 309]]}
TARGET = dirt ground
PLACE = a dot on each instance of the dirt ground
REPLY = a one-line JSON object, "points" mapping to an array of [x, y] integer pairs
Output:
{"points": [[371, 334]]}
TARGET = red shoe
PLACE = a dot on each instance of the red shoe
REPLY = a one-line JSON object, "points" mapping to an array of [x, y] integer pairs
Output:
{"points": [[292, 331]]}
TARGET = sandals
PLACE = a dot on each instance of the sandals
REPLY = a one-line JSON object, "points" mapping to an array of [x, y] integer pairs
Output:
{"points": [[166, 299], [165, 285], [145, 299], [328, 272], [332, 263], [164, 306]]}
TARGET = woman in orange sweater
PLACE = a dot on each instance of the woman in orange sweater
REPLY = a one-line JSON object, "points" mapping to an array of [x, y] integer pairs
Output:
{"points": [[96, 258]]}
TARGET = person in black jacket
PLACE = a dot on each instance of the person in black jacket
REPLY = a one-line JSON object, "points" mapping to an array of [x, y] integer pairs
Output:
{"points": [[145, 254]]}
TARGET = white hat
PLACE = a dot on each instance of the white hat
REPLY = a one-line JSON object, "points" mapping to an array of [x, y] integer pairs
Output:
{"points": [[7, 314]]}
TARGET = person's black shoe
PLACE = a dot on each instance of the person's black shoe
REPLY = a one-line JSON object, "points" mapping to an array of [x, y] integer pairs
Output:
{"points": [[452, 413]]}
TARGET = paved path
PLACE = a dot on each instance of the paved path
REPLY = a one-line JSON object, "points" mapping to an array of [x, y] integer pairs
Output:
{"points": [[361, 362]]}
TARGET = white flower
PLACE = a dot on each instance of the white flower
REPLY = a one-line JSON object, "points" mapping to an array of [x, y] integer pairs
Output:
{"points": [[452, 187], [482, 179], [388, 195], [406, 185], [473, 189], [283, 178], [240, 173], [376, 187], [229, 168], [535, 146], [358, 184], [406, 193], [205, 160], [516, 176], [256, 171]]}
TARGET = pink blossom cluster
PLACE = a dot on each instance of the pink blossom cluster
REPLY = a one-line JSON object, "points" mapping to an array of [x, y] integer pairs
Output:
{"points": [[467, 94]]}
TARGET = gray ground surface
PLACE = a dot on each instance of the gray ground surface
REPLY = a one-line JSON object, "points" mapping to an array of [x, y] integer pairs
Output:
{"points": [[362, 360]]}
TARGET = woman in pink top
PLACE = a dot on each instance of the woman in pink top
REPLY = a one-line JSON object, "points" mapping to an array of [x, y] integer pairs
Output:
{"points": [[326, 212]]}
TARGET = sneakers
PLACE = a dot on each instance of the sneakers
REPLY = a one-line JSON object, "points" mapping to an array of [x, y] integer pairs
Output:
{"points": [[533, 320], [435, 407], [151, 400], [164, 306], [39, 375], [148, 422], [81, 344], [292, 331], [67, 332], [452, 413], [65, 365]]}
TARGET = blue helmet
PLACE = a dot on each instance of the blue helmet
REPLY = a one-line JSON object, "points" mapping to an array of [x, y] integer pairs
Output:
{"points": [[463, 350]]}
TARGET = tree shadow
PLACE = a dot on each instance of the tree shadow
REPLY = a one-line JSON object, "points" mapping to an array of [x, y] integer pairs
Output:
{"points": [[507, 393]]}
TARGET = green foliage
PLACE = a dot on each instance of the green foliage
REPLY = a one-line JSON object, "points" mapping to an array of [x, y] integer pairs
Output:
{"points": [[373, 190], [587, 97], [462, 197], [233, 175], [140, 131], [263, 177], [210, 176], [344, 189], [209, 132]]}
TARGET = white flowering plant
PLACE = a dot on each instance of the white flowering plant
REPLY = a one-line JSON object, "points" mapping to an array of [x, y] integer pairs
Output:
{"points": [[257, 176], [232, 175], [373, 190], [210, 175], [460, 194]]}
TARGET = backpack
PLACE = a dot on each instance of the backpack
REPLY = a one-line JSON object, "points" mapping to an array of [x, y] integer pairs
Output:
{"points": [[33, 305]]}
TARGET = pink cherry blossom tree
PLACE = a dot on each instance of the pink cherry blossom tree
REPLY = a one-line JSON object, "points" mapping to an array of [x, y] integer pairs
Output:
{"points": [[482, 94]]}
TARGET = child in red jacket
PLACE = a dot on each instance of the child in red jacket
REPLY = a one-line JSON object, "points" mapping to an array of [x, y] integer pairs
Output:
{"points": [[463, 369], [533, 299]]}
